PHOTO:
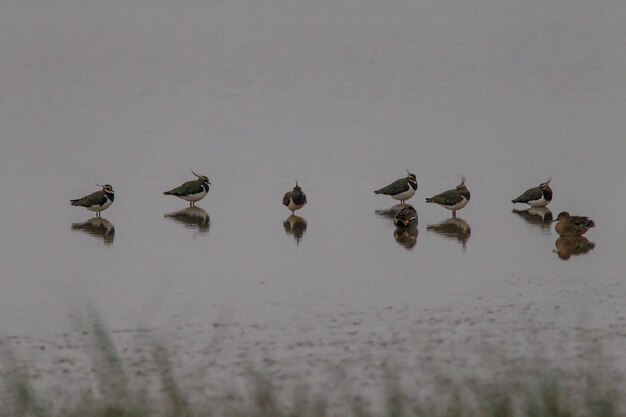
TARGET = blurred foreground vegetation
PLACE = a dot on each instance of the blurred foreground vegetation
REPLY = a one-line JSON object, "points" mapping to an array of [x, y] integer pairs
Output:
{"points": [[593, 390]]}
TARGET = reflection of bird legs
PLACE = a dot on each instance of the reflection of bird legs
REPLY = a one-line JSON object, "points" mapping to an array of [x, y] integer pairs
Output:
{"points": [[97, 214]]}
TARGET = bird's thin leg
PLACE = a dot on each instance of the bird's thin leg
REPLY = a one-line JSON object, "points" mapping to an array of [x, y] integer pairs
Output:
{"points": [[454, 214]]}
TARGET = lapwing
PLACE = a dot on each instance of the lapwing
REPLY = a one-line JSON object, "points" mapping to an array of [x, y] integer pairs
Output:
{"points": [[453, 199], [574, 245], [407, 217], [98, 201], [294, 199], [568, 226], [537, 196], [401, 189], [191, 191]]}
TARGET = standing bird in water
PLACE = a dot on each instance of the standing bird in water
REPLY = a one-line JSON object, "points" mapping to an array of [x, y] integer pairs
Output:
{"points": [[98, 201], [294, 199], [452, 199], [401, 189], [191, 191], [536, 196], [569, 226]]}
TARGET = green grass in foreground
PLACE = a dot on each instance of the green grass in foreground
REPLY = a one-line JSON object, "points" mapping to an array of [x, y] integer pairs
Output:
{"points": [[540, 392]]}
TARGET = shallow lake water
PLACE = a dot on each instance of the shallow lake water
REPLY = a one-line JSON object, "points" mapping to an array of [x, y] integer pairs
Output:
{"points": [[343, 97]]}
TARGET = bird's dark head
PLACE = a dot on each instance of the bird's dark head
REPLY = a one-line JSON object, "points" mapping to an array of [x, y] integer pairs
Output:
{"points": [[462, 186], [202, 178], [411, 177], [545, 185], [297, 188], [107, 188], [562, 216]]}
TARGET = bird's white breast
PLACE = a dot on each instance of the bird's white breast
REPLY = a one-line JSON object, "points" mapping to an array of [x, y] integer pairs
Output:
{"points": [[459, 205], [101, 207], [405, 195], [194, 197], [542, 202]]}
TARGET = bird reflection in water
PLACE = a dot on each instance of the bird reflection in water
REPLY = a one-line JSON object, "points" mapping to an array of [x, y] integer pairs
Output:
{"points": [[98, 227], [576, 245], [296, 226], [406, 236], [404, 216], [453, 228], [194, 218], [391, 212], [537, 216]]}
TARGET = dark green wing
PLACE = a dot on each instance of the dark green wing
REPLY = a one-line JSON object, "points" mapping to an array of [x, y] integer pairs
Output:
{"points": [[190, 187], [394, 188], [286, 198], [531, 194], [93, 199], [447, 198]]}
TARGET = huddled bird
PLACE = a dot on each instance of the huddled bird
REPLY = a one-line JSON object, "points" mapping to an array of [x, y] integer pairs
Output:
{"points": [[294, 199], [406, 217], [401, 189], [569, 226], [98, 201], [537, 196], [191, 191], [454, 199]]}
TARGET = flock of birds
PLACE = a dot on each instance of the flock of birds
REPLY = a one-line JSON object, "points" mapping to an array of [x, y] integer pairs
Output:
{"points": [[567, 226]]}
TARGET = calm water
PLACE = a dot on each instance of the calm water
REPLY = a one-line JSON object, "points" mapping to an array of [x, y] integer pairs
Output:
{"points": [[344, 98]]}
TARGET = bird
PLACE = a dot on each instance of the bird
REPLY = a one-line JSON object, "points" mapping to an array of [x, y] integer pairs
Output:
{"points": [[98, 201], [401, 189], [452, 199], [191, 191], [568, 226], [294, 199], [406, 217], [537, 196]]}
